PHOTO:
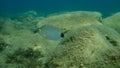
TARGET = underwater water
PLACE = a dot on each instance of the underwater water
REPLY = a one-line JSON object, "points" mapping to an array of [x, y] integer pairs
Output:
{"points": [[8, 7], [59, 33]]}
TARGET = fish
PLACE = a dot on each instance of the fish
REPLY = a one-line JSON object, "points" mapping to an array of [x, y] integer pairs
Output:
{"points": [[50, 32]]}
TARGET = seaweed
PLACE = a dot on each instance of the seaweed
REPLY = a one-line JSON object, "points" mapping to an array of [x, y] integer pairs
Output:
{"points": [[113, 42], [3, 45], [27, 58]]}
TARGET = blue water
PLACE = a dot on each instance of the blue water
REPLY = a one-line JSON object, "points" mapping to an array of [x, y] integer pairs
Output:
{"points": [[12, 7]]}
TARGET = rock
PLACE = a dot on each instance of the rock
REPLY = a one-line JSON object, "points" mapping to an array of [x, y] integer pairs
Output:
{"points": [[71, 20], [86, 47], [113, 21], [86, 42]]}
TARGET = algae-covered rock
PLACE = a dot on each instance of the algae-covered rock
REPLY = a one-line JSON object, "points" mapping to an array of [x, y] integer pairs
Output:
{"points": [[24, 43], [85, 42], [3, 44], [25, 58], [27, 20], [15, 42], [86, 47], [113, 21], [71, 20]]}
